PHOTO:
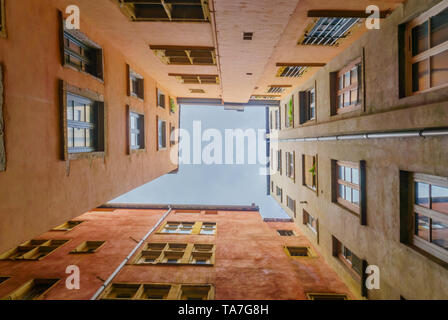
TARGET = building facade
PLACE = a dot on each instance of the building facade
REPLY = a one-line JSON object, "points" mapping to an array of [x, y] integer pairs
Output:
{"points": [[193, 252], [359, 156]]}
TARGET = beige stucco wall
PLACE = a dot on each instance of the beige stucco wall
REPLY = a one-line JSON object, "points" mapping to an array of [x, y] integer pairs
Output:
{"points": [[404, 271], [39, 190]]}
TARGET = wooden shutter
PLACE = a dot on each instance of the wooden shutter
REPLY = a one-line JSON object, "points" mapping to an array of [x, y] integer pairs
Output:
{"points": [[334, 93], [302, 106], [362, 190], [158, 133]]}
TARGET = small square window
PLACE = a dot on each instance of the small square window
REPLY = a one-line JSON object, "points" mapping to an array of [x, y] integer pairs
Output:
{"points": [[136, 131], [195, 292], [32, 290], [155, 291], [88, 247], [161, 133], [122, 291], [299, 251], [136, 87], [161, 98], [68, 226], [286, 233]]}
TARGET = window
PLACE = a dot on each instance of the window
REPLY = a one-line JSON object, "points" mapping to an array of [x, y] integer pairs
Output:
{"points": [[279, 193], [69, 225], [346, 86], [188, 228], [123, 291], [426, 43], [291, 71], [136, 131], [286, 233], [136, 86], [195, 292], [299, 251], [32, 290], [348, 185], [33, 250], [88, 247], [83, 123], [279, 161], [208, 228], [328, 31], [167, 11], [196, 78], [185, 55], [160, 98], [309, 171], [172, 135], [173, 106], [176, 253], [277, 119], [277, 88], [291, 204], [310, 222], [2, 19], [307, 105], [161, 133], [326, 296], [350, 260], [430, 215], [289, 113], [290, 165], [82, 54]]}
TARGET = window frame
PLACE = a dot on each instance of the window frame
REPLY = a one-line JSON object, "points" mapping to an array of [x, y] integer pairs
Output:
{"points": [[279, 161], [306, 221], [161, 134], [425, 55], [72, 153], [277, 188], [98, 244], [361, 209], [336, 90], [3, 29], [286, 233], [291, 202], [306, 105], [81, 40], [139, 79], [290, 158], [160, 98], [289, 108], [33, 250], [305, 170], [141, 132], [430, 213], [18, 293]]}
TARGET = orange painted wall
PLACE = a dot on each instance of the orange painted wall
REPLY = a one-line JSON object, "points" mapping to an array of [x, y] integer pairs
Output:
{"points": [[250, 262], [38, 190]]}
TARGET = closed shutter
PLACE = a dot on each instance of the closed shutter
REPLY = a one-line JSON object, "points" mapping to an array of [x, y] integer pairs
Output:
{"points": [[302, 106]]}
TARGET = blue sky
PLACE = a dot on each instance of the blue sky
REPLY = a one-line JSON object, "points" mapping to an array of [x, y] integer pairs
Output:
{"points": [[213, 184]]}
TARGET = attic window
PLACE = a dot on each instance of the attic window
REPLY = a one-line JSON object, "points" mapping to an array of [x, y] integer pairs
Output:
{"points": [[185, 55], [196, 78], [328, 31], [166, 10], [277, 88], [197, 91], [248, 35], [291, 71]]}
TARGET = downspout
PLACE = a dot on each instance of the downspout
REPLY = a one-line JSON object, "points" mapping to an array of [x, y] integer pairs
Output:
{"points": [[377, 135], [123, 263]]}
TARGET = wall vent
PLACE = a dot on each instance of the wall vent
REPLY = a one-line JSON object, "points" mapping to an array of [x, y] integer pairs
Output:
{"points": [[248, 35]]}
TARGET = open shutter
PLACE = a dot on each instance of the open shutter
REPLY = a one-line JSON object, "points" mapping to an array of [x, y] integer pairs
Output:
{"points": [[363, 196], [334, 93], [302, 106], [294, 166]]}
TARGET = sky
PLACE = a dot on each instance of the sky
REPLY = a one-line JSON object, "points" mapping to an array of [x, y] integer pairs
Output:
{"points": [[214, 184]]}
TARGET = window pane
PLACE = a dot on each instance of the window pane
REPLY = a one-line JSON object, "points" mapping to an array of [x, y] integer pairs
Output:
{"points": [[341, 191], [348, 174], [439, 69], [420, 39], [354, 96], [340, 101], [89, 138], [79, 112], [420, 75], [355, 199], [133, 139], [70, 137], [439, 28], [439, 198], [89, 117], [422, 194], [355, 176], [422, 226], [70, 104], [440, 234], [347, 79], [80, 137], [354, 75], [346, 98], [341, 172], [348, 194], [341, 82]]}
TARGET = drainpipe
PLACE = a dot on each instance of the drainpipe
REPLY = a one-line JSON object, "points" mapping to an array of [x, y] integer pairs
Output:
{"points": [[379, 135], [123, 263]]}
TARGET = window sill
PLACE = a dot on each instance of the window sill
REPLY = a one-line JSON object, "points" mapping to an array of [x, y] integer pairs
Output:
{"points": [[83, 72], [137, 151], [133, 95], [308, 123], [428, 255], [347, 209], [87, 155]]}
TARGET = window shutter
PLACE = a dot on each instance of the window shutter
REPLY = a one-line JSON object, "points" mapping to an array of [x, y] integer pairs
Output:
{"points": [[294, 166], [360, 81], [334, 93], [302, 106], [141, 89], [163, 134], [363, 196]]}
